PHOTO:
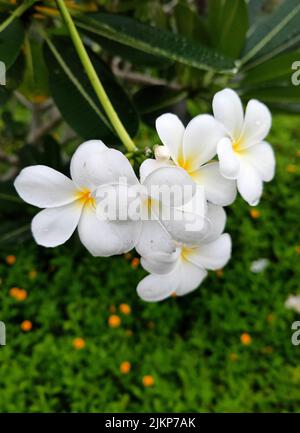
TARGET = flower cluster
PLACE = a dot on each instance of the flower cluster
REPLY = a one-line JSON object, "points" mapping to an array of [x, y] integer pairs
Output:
{"points": [[179, 234]]}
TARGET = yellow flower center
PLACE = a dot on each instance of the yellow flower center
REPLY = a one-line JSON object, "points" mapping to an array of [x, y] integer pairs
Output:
{"points": [[85, 197], [185, 164], [238, 145], [185, 253]]}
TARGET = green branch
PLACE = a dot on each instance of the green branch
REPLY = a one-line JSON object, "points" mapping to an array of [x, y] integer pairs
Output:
{"points": [[17, 13], [94, 79]]}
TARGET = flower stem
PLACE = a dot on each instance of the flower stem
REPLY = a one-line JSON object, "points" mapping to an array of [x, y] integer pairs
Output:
{"points": [[16, 13], [94, 79]]}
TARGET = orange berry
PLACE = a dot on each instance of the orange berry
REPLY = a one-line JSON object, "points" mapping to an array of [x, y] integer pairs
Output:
{"points": [[78, 343], [173, 295], [11, 260], [114, 321], [14, 292], [246, 339], [291, 168], [135, 262], [21, 295], [125, 309], [26, 326], [125, 367], [148, 381], [254, 213]]}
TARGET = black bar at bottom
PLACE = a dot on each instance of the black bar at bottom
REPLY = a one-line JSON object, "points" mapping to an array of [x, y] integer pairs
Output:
{"points": [[140, 422]]}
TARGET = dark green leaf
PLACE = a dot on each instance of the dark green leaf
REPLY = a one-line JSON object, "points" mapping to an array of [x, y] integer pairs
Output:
{"points": [[11, 40], [152, 101], [134, 56], [254, 10], [14, 232], [10, 203], [228, 25], [285, 93], [155, 41], [279, 31], [47, 154], [189, 23], [35, 84], [274, 69], [76, 99]]}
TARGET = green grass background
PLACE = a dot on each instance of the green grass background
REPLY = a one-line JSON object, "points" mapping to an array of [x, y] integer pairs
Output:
{"points": [[191, 346]]}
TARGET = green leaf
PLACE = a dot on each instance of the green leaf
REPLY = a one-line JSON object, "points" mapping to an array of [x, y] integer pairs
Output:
{"points": [[152, 101], [75, 97], [10, 203], [228, 25], [13, 79], [35, 84], [14, 232], [189, 23], [11, 40], [274, 69], [155, 41], [47, 154], [254, 10], [279, 31], [284, 93], [136, 57]]}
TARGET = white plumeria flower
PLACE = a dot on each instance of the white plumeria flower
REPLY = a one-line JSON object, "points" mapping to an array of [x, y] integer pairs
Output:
{"points": [[70, 203], [242, 152], [159, 234], [192, 148], [185, 269]]}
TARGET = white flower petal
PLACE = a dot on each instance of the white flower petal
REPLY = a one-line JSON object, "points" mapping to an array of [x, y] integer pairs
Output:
{"points": [[79, 173], [228, 110], [154, 288], [170, 130], [249, 184], [200, 141], [257, 123], [150, 165], [42, 186], [104, 238], [171, 185], [228, 160], [160, 263], [184, 278], [261, 156], [218, 190], [213, 255], [154, 238], [189, 276], [94, 164], [188, 223], [216, 215], [54, 226]]}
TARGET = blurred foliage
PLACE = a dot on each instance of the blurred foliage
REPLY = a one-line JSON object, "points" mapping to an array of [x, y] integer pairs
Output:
{"points": [[153, 56], [191, 346]]}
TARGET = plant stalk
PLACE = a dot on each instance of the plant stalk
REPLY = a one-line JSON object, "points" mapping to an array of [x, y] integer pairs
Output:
{"points": [[94, 79], [16, 13]]}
